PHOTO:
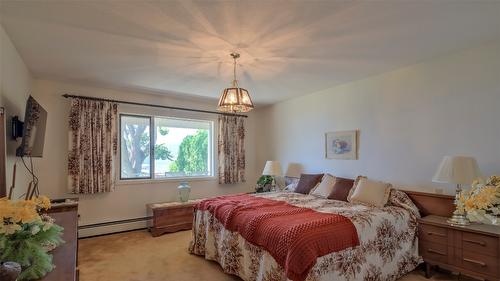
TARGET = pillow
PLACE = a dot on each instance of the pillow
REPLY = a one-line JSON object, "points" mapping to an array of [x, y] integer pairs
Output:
{"points": [[325, 187], [341, 189], [291, 187], [354, 186], [400, 199], [290, 180], [307, 183], [371, 192]]}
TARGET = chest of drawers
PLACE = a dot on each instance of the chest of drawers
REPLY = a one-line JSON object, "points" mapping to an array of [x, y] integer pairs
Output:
{"points": [[472, 250]]}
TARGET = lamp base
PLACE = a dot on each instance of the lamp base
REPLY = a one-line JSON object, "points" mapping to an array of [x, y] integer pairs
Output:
{"points": [[458, 219], [274, 186]]}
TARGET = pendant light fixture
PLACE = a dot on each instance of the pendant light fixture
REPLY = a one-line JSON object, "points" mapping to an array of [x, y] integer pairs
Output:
{"points": [[235, 99]]}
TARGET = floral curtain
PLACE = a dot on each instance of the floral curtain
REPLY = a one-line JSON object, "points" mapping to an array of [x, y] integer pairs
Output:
{"points": [[92, 146], [231, 144]]}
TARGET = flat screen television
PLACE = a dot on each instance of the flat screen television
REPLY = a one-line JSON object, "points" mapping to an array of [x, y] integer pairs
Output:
{"points": [[33, 130]]}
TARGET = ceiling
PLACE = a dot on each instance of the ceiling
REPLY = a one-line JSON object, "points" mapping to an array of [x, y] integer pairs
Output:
{"points": [[288, 48]]}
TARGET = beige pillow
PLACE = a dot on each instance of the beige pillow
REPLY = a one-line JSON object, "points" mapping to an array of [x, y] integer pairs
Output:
{"points": [[371, 192], [356, 181], [325, 187]]}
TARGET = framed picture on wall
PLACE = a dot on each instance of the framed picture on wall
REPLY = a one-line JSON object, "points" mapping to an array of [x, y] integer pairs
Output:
{"points": [[341, 145]]}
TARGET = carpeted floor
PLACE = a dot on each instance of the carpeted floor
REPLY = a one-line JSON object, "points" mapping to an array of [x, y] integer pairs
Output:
{"points": [[136, 256]]}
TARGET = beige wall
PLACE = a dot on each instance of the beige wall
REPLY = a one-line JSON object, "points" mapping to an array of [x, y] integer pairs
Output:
{"points": [[129, 199], [15, 85], [408, 120]]}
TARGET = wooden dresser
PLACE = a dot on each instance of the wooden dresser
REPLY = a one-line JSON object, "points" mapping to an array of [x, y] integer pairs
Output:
{"points": [[171, 216], [65, 256], [472, 250], [3, 184]]}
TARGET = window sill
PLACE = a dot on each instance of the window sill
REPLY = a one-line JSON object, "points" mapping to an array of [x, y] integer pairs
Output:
{"points": [[159, 181]]}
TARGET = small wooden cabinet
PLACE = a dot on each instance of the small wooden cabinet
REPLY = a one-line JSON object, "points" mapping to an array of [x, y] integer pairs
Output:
{"points": [[170, 217], [472, 250]]}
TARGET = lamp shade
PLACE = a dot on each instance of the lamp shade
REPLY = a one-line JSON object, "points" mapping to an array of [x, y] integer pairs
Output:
{"points": [[457, 170], [235, 100], [272, 168], [293, 170]]}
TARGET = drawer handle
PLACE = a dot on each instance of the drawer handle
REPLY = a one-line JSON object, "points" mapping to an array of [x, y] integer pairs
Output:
{"points": [[435, 252], [475, 262], [430, 233], [482, 243]]}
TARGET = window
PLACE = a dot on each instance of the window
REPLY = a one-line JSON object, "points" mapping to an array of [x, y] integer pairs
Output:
{"points": [[135, 147], [164, 147]]}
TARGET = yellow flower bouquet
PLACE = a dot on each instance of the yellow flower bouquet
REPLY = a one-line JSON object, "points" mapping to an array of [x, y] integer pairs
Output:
{"points": [[26, 236], [482, 201]]}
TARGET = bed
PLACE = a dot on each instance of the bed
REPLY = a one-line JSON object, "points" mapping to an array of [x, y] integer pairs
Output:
{"points": [[385, 247]]}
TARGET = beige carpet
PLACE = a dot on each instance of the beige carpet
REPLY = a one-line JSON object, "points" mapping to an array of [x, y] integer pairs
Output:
{"points": [[136, 256]]}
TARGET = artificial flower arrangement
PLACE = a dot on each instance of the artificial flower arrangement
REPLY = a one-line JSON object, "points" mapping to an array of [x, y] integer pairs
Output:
{"points": [[26, 236], [482, 201]]}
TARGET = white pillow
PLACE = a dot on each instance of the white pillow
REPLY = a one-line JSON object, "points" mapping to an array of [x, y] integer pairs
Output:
{"points": [[371, 192], [325, 187], [291, 187]]}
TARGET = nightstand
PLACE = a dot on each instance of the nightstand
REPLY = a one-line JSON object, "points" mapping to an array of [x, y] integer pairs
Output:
{"points": [[471, 250]]}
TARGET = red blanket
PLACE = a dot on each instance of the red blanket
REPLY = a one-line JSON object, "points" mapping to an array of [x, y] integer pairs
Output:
{"points": [[294, 236]]}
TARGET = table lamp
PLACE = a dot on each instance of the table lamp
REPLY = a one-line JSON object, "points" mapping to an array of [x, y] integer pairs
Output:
{"points": [[457, 170], [273, 169]]}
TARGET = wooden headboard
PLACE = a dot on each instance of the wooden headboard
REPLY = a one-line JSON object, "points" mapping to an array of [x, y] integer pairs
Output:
{"points": [[432, 204]]}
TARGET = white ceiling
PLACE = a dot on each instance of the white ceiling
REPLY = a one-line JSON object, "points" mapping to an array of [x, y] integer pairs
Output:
{"points": [[288, 48]]}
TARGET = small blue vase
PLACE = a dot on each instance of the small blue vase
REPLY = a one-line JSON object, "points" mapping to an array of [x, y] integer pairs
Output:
{"points": [[184, 190]]}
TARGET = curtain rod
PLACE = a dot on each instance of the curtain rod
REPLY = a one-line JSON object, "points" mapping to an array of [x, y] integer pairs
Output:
{"points": [[154, 105]]}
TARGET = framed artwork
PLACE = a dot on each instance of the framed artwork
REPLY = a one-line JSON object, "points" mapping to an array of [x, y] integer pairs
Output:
{"points": [[341, 145]]}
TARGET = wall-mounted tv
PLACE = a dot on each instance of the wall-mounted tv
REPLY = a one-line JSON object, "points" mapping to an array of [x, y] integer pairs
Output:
{"points": [[33, 130]]}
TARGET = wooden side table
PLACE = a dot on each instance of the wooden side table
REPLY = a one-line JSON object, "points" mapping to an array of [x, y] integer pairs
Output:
{"points": [[171, 216], [472, 250]]}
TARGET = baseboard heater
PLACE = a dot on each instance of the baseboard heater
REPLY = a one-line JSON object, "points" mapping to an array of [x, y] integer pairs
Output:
{"points": [[112, 227]]}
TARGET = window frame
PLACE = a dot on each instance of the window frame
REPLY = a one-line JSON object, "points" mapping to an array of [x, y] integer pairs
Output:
{"points": [[152, 179]]}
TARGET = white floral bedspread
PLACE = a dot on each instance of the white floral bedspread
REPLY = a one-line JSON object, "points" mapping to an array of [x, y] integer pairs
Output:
{"points": [[388, 242]]}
